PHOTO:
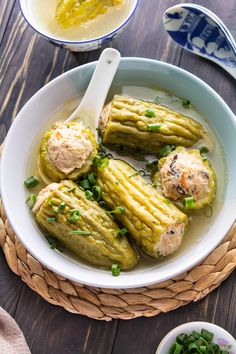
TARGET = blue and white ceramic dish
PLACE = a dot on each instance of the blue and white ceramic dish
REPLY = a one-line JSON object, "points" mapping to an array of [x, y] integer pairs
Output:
{"points": [[199, 30], [221, 336], [82, 45]]}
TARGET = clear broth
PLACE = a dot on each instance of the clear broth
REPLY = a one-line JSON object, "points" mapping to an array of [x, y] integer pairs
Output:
{"points": [[43, 13]]}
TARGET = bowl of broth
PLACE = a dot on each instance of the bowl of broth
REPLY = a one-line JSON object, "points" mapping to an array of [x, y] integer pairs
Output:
{"points": [[88, 28], [143, 79]]}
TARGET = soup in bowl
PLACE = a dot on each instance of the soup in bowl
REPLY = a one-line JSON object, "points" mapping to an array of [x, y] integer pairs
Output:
{"points": [[86, 29], [141, 80]]}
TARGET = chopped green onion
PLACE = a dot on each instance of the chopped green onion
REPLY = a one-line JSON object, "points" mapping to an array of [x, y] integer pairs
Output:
{"points": [[75, 215], [55, 244], [60, 207], [88, 194], [150, 113], [122, 232], [97, 160], [189, 203], [52, 219], [80, 232], [85, 184], [186, 103], [97, 193], [92, 177], [115, 269], [154, 127], [31, 182], [31, 201], [116, 182], [157, 100], [203, 150], [72, 189], [166, 150], [50, 202], [117, 210], [102, 204], [152, 165], [104, 163], [207, 335]]}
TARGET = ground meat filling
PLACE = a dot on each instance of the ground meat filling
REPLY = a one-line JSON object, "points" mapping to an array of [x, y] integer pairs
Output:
{"points": [[171, 240], [184, 175], [68, 148]]}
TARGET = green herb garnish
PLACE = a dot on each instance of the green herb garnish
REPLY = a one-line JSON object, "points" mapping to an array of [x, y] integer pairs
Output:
{"points": [[117, 210], [102, 204], [122, 232], [104, 163], [89, 195], [189, 203], [31, 182], [150, 113], [31, 201], [186, 103], [201, 343], [115, 269], [55, 244], [157, 100], [92, 177], [166, 150], [72, 189], [85, 184], [203, 150], [97, 193], [75, 215], [80, 232], [52, 219], [154, 127]]}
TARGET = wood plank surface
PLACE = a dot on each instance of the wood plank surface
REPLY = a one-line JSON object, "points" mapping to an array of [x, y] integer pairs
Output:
{"points": [[27, 62]]}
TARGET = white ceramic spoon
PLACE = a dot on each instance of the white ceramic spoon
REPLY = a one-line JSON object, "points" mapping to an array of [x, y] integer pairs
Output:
{"points": [[90, 107], [200, 31]]}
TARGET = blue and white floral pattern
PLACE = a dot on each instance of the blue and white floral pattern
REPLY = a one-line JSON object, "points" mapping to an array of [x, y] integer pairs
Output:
{"points": [[195, 30]]}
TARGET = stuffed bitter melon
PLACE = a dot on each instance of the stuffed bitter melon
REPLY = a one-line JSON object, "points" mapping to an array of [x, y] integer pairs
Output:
{"points": [[187, 178], [156, 224], [71, 13], [83, 226], [66, 151], [146, 125]]}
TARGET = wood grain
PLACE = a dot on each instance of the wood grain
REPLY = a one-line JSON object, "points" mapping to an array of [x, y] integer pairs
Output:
{"points": [[27, 62]]}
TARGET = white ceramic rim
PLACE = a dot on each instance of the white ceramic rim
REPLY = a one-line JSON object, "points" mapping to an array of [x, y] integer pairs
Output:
{"points": [[189, 327], [126, 279], [62, 41]]}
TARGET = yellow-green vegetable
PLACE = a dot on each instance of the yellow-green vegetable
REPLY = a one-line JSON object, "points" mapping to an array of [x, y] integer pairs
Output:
{"points": [[83, 226], [155, 223], [71, 13], [146, 125], [187, 178], [47, 168]]}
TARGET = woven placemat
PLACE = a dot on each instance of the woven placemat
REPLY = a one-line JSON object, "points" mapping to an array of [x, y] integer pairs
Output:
{"points": [[106, 304]]}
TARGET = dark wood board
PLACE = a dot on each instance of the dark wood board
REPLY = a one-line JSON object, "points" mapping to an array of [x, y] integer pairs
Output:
{"points": [[27, 62]]}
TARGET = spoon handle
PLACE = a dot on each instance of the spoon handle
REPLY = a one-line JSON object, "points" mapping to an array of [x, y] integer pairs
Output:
{"points": [[92, 103]]}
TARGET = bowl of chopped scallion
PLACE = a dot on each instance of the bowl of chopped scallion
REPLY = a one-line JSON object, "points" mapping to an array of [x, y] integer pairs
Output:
{"points": [[199, 338]]}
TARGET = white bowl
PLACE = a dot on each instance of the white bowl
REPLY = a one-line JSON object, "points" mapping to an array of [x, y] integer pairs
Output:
{"points": [[82, 45], [221, 336], [33, 120]]}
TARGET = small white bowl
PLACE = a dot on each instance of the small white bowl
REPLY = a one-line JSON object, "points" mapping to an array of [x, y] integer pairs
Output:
{"points": [[221, 336], [82, 45]]}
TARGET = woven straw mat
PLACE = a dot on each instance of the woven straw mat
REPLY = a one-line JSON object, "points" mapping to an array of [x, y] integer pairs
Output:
{"points": [[106, 304]]}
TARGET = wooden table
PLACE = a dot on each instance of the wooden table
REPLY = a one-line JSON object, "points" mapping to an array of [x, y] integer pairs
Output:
{"points": [[27, 63]]}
